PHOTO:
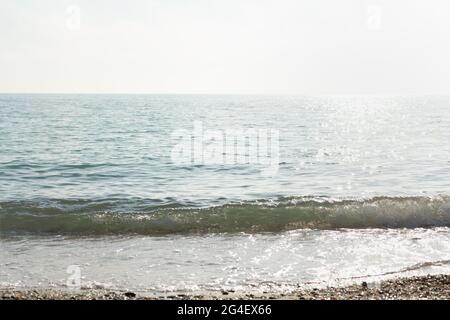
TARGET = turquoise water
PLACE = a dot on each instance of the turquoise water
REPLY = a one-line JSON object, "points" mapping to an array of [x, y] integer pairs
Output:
{"points": [[80, 167]]}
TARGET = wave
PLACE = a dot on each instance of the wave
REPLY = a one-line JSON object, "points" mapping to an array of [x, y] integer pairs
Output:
{"points": [[122, 216]]}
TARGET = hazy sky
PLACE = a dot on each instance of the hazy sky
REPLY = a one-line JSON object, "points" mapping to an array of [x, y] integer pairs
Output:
{"points": [[226, 46]]}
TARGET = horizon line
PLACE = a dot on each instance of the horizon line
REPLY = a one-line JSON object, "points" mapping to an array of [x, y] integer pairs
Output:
{"points": [[232, 94]]}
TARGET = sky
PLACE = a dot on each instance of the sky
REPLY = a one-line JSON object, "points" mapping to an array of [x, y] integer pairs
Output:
{"points": [[309, 47]]}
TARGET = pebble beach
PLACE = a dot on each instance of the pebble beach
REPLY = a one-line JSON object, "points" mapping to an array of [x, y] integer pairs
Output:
{"points": [[431, 287]]}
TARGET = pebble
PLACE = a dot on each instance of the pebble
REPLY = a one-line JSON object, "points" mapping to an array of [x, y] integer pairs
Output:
{"points": [[426, 287]]}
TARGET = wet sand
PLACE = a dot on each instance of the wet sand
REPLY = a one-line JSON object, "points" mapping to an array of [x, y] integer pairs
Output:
{"points": [[426, 287]]}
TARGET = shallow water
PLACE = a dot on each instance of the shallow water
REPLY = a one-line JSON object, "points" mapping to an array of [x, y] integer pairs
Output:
{"points": [[251, 263], [90, 180]]}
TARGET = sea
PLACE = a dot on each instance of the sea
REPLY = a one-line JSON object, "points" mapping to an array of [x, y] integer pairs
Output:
{"points": [[190, 193]]}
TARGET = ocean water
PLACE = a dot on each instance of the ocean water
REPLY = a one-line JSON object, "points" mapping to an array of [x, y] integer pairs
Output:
{"points": [[335, 189]]}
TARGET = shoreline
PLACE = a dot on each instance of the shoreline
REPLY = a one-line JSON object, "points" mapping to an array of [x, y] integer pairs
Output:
{"points": [[435, 287]]}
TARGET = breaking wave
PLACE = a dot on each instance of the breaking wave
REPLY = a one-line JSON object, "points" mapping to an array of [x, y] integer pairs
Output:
{"points": [[105, 217]]}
